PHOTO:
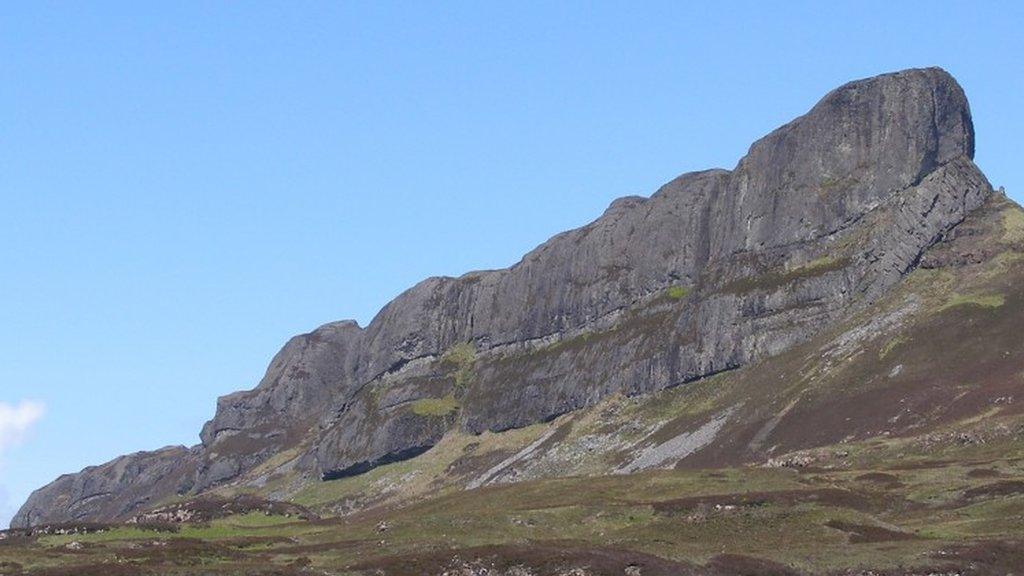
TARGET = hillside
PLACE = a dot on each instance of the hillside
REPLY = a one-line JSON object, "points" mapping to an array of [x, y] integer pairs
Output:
{"points": [[892, 443], [810, 363]]}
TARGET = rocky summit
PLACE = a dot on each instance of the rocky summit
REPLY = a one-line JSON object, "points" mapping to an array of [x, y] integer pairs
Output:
{"points": [[846, 297]]}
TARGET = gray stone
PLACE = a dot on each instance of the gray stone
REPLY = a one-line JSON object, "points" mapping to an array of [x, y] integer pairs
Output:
{"points": [[715, 270], [113, 490]]}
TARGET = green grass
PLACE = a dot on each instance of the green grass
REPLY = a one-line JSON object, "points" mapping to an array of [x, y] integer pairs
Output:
{"points": [[777, 279], [822, 264], [677, 292], [253, 524], [400, 481], [435, 406], [574, 342], [112, 535], [462, 357], [1013, 225], [652, 512], [977, 300], [930, 467], [460, 354], [234, 526], [891, 345]]}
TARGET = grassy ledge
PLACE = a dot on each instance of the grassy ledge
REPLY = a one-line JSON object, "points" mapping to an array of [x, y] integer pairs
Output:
{"points": [[435, 406], [978, 300]]}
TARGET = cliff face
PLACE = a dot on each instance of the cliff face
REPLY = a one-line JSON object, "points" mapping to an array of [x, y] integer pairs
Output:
{"points": [[714, 271]]}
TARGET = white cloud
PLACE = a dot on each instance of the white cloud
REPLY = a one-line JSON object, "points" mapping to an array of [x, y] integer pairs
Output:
{"points": [[16, 421], [6, 510]]}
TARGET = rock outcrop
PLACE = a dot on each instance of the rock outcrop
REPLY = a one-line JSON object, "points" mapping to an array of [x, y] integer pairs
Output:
{"points": [[112, 490], [715, 270]]}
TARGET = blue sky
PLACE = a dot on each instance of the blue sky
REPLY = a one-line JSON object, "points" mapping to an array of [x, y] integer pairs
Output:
{"points": [[184, 188]]}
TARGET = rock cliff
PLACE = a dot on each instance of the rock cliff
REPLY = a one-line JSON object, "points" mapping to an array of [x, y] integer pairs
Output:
{"points": [[715, 270]]}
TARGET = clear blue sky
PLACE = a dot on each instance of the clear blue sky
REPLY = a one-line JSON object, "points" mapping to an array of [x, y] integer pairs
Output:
{"points": [[186, 185]]}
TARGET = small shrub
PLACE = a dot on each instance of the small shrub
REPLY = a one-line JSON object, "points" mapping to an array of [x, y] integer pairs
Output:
{"points": [[889, 346], [462, 356], [678, 292], [777, 279], [830, 183]]}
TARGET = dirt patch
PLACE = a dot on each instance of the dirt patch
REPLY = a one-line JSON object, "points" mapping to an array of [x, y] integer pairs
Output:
{"points": [[14, 538], [996, 489], [881, 479], [923, 465], [863, 533], [734, 564], [984, 473], [97, 569]]}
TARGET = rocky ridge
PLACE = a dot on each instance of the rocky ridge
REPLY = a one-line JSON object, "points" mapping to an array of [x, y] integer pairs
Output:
{"points": [[714, 271]]}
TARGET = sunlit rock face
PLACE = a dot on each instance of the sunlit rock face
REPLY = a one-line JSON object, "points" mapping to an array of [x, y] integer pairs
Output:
{"points": [[713, 271]]}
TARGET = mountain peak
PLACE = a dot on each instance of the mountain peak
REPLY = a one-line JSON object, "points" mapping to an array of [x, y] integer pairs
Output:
{"points": [[928, 103], [716, 270]]}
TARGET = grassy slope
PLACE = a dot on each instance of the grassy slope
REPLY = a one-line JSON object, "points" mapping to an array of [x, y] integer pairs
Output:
{"points": [[894, 443], [881, 516]]}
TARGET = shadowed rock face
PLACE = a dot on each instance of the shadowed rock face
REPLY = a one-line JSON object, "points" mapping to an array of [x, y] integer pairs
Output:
{"points": [[713, 271]]}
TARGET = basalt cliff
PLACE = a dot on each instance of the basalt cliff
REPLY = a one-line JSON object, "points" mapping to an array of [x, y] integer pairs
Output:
{"points": [[824, 219]]}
